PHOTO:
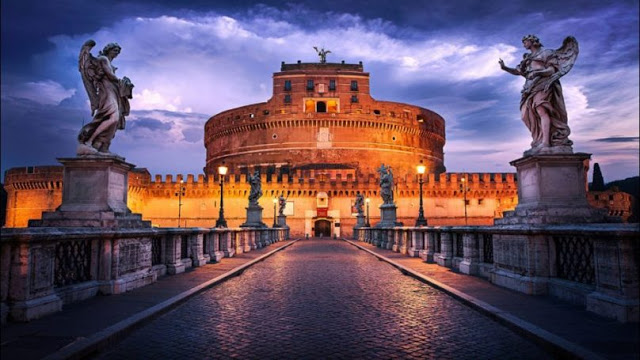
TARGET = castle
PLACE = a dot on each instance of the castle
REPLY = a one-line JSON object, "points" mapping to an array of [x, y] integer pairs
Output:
{"points": [[318, 141]]}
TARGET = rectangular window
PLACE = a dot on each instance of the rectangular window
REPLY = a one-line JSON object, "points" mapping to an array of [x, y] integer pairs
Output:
{"points": [[332, 85], [354, 98], [310, 85], [287, 99], [287, 85], [354, 85]]}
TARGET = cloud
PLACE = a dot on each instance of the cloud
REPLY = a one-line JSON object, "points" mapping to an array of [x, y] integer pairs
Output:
{"points": [[620, 139], [47, 92], [188, 65]]}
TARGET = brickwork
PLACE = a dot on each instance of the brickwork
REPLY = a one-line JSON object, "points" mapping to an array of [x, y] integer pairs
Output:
{"points": [[324, 114]]}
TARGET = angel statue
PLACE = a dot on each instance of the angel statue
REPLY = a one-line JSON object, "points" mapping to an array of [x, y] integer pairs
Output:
{"points": [[542, 104], [359, 205], [109, 97], [322, 53], [282, 203], [256, 188], [386, 184]]}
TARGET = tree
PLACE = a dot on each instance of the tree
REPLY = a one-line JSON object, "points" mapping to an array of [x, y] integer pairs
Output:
{"points": [[598, 180]]}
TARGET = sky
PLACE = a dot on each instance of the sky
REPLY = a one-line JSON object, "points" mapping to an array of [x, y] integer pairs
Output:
{"points": [[192, 59]]}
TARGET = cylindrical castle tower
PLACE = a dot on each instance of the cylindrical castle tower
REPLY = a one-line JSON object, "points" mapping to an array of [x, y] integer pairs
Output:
{"points": [[321, 115]]}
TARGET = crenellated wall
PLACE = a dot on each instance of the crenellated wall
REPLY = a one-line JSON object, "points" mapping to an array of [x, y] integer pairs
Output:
{"points": [[156, 198], [488, 195]]}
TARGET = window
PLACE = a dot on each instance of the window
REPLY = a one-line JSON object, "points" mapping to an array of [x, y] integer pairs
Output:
{"points": [[332, 106], [309, 106], [287, 99], [287, 85], [332, 85], [354, 85], [354, 98], [310, 85], [377, 112], [321, 107]]}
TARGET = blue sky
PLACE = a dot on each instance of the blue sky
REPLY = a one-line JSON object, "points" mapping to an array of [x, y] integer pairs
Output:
{"points": [[192, 59]]}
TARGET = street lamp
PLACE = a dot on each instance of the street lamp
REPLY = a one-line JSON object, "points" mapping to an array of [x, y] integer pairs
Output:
{"points": [[180, 194], [421, 221], [275, 201], [464, 192], [367, 224], [222, 171]]}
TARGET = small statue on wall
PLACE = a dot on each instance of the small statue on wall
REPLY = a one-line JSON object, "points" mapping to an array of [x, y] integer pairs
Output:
{"points": [[108, 95], [282, 203], [322, 53], [386, 184], [359, 204], [542, 104], [256, 188]]}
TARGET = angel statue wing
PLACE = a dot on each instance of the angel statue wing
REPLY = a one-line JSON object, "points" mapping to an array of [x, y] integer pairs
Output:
{"points": [[88, 67], [565, 56], [316, 49]]}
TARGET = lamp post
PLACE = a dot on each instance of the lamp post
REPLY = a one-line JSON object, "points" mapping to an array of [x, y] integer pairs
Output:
{"points": [[222, 171], [421, 221], [464, 192], [275, 201], [367, 224], [180, 194]]}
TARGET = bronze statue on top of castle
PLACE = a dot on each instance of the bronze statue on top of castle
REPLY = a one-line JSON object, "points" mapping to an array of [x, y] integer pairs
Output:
{"points": [[542, 105], [256, 188], [322, 53], [386, 184], [109, 97], [359, 204], [282, 203]]}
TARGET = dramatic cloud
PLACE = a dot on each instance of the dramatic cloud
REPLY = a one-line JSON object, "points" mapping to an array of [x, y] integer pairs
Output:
{"points": [[190, 64]]}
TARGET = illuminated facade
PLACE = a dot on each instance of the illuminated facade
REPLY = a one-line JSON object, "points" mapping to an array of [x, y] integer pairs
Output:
{"points": [[318, 141]]}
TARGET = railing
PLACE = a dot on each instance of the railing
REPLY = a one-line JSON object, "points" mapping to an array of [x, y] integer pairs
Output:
{"points": [[63, 265], [595, 265]]}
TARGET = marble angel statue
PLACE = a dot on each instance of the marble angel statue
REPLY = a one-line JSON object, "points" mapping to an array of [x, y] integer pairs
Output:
{"points": [[542, 104], [108, 95]]}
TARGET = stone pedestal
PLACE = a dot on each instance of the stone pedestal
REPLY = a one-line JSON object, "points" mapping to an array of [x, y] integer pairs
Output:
{"points": [[552, 190], [254, 217], [94, 195], [388, 216], [360, 221], [282, 221]]}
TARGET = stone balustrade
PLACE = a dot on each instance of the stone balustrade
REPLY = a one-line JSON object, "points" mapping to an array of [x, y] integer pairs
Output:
{"points": [[593, 265], [45, 268]]}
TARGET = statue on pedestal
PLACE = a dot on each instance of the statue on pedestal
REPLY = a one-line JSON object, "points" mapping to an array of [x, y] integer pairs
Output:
{"points": [[359, 204], [386, 184], [282, 203], [109, 97], [322, 53], [256, 188], [542, 105]]}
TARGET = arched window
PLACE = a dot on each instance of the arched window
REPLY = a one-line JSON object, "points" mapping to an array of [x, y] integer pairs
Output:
{"points": [[309, 106], [321, 107]]}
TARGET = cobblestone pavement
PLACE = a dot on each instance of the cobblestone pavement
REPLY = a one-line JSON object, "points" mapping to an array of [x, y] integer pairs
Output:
{"points": [[323, 299]]}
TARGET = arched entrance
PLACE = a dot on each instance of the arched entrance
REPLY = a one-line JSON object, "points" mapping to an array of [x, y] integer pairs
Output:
{"points": [[321, 107], [322, 228]]}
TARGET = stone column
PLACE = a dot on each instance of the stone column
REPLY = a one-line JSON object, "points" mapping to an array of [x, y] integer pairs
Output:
{"points": [[417, 243], [430, 243], [174, 254], [471, 254], [195, 242], [445, 257]]}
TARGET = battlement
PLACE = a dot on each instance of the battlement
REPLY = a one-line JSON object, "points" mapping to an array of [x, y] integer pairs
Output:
{"points": [[342, 66]]}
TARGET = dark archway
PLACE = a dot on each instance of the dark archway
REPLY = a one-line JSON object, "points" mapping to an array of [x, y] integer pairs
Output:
{"points": [[321, 107], [322, 228]]}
